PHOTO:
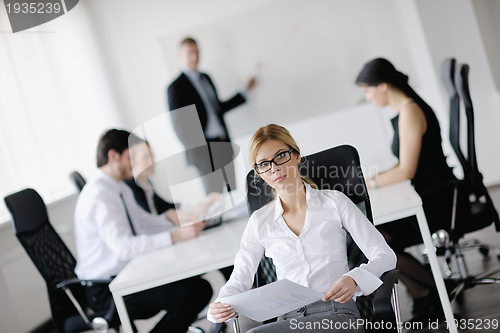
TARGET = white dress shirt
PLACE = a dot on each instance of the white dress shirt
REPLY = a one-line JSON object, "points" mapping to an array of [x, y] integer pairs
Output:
{"points": [[318, 256], [104, 238]]}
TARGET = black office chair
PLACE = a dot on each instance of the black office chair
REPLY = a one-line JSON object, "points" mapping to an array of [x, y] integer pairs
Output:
{"points": [[78, 179], [473, 208], [383, 303], [56, 264]]}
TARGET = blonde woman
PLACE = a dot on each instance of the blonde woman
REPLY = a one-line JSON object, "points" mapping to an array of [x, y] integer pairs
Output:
{"points": [[304, 231]]}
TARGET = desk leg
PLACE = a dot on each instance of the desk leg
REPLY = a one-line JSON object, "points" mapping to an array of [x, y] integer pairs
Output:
{"points": [[122, 313], [436, 270]]}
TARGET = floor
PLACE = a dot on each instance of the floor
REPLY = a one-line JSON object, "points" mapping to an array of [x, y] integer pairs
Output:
{"points": [[480, 304]]}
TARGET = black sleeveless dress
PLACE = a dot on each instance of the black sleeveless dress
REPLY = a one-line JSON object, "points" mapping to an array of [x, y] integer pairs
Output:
{"points": [[432, 170]]}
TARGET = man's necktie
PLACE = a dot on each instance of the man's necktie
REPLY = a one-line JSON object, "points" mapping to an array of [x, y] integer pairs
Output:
{"points": [[210, 92], [128, 216]]}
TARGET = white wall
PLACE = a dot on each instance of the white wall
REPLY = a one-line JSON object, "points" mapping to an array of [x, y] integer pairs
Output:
{"points": [[487, 14], [129, 35], [309, 54], [131, 40]]}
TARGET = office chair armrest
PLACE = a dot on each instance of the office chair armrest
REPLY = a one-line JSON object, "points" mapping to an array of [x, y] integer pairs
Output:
{"points": [[82, 282], [382, 304], [110, 315], [216, 328]]}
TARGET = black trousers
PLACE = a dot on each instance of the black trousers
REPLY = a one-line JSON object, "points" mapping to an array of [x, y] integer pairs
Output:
{"points": [[182, 300], [221, 157]]}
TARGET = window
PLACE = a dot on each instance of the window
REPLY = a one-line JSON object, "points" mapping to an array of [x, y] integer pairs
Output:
{"points": [[55, 102]]}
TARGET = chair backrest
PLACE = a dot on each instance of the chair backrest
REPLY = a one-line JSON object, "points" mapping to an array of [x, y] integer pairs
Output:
{"points": [[456, 80], [471, 173], [337, 168], [45, 248], [448, 78], [78, 179]]}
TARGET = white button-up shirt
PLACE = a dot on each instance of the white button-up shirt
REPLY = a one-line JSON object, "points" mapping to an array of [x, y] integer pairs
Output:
{"points": [[318, 256], [104, 238]]}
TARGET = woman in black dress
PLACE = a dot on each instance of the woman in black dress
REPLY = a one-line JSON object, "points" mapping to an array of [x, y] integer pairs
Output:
{"points": [[417, 145]]}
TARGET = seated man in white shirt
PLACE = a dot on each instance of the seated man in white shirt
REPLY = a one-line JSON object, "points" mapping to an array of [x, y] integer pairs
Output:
{"points": [[111, 228]]}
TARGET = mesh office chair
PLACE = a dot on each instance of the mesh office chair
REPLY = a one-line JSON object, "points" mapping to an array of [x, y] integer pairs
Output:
{"points": [[472, 209], [78, 179], [383, 303], [56, 264]]}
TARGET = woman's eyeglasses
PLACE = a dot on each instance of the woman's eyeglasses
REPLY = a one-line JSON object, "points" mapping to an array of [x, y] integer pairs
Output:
{"points": [[280, 159]]}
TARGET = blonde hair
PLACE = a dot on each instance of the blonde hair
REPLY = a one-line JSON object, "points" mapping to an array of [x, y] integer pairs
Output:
{"points": [[278, 133]]}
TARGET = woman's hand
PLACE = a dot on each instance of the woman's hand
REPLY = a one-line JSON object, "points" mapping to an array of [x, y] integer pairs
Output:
{"points": [[180, 217], [342, 290], [221, 311], [187, 232]]}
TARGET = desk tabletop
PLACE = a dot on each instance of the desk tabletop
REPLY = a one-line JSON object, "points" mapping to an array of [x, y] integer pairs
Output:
{"points": [[212, 249], [388, 201]]}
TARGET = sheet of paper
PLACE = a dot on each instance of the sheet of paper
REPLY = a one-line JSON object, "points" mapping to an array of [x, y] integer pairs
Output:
{"points": [[272, 300]]}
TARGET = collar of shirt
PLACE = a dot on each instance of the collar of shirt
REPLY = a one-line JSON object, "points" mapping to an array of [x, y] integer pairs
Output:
{"points": [[311, 199], [191, 74], [113, 184]]}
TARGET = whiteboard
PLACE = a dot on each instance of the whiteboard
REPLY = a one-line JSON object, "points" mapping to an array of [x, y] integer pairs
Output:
{"points": [[310, 53]]}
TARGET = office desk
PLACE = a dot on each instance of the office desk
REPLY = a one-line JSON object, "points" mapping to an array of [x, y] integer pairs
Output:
{"points": [[400, 200], [213, 249], [216, 248]]}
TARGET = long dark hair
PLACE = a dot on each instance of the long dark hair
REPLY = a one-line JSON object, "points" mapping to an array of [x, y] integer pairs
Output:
{"points": [[381, 70]]}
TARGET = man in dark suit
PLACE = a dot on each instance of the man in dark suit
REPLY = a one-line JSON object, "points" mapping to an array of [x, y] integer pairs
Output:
{"points": [[193, 87]]}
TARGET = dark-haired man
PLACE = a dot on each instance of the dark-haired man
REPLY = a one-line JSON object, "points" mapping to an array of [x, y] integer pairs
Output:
{"points": [[193, 87], [111, 228]]}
